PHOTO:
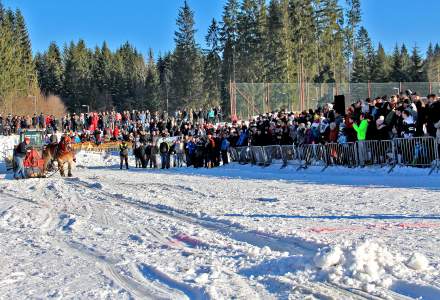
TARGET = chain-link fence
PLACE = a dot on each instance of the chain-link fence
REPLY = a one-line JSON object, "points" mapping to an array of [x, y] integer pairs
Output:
{"points": [[250, 99]]}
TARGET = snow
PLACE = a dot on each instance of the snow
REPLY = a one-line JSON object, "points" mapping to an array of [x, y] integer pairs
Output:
{"points": [[418, 262], [233, 232]]}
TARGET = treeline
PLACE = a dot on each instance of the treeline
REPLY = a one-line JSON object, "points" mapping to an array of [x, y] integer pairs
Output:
{"points": [[375, 65], [17, 67], [289, 41]]}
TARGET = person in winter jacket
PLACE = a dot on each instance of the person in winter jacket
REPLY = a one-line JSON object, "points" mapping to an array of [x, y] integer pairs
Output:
{"points": [[191, 150], [209, 150], [123, 153], [19, 156], [224, 150], [333, 133], [381, 129], [115, 133], [164, 155], [361, 129], [243, 139], [180, 153], [408, 128]]}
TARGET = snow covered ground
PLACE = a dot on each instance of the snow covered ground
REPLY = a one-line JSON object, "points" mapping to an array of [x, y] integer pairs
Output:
{"points": [[237, 232]]}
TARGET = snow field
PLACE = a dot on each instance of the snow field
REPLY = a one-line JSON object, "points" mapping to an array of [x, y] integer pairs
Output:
{"points": [[235, 232]]}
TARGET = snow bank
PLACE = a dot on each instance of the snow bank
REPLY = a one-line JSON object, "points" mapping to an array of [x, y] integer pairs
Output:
{"points": [[367, 265]]}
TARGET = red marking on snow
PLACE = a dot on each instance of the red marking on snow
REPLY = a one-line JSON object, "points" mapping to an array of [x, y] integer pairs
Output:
{"points": [[188, 240], [334, 229], [418, 225], [173, 243]]}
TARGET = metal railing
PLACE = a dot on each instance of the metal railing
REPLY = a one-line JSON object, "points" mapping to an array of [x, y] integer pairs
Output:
{"points": [[421, 152]]}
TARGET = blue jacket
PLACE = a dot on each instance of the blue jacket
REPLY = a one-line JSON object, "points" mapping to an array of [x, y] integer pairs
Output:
{"points": [[242, 139], [191, 147], [225, 145]]}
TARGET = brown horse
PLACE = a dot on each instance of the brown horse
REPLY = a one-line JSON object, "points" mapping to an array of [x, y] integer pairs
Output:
{"points": [[61, 154]]}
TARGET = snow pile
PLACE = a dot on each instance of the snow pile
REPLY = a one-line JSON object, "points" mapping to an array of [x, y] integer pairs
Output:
{"points": [[418, 262], [367, 265]]}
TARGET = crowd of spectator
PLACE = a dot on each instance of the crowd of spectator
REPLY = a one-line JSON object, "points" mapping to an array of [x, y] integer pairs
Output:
{"points": [[200, 138], [382, 118]]}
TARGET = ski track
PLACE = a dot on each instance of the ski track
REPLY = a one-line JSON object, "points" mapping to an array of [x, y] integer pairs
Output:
{"points": [[111, 225]]}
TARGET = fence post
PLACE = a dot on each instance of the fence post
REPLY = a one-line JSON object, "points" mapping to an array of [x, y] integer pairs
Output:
{"points": [[356, 153], [395, 154], [369, 89], [436, 165]]}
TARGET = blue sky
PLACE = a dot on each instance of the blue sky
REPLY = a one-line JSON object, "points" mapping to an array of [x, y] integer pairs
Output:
{"points": [[151, 23]]}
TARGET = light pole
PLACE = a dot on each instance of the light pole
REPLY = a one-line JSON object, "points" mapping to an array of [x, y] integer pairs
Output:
{"points": [[88, 108]]}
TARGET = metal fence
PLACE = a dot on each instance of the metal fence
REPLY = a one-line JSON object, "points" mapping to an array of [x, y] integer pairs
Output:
{"points": [[422, 152], [250, 99]]}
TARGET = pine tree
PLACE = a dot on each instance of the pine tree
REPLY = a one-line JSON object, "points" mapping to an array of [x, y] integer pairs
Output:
{"points": [[303, 30], [164, 65], [360, 67], [228, 39], [353, 16], [24, 44], [247, 42], [397, 73], [152, 85], [101, 78], [77, 78], [50, 70], [17, 70], [129, 77], [187, 65], [261, 42], [363, 57], [417, 69], [330, 34], [276, 52], [212, 67], [430, 52], [406, 64], [379, 69], [288, 41], [7, 57], [437, 49]]}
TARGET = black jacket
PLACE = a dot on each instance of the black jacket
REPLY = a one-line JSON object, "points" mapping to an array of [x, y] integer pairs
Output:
{"points": [[163, 147], [21, 149]]}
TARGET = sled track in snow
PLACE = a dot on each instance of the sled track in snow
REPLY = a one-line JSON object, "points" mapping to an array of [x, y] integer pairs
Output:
{"points": [[291, 245], [163, 239], [139, 289], [144, 280]]}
